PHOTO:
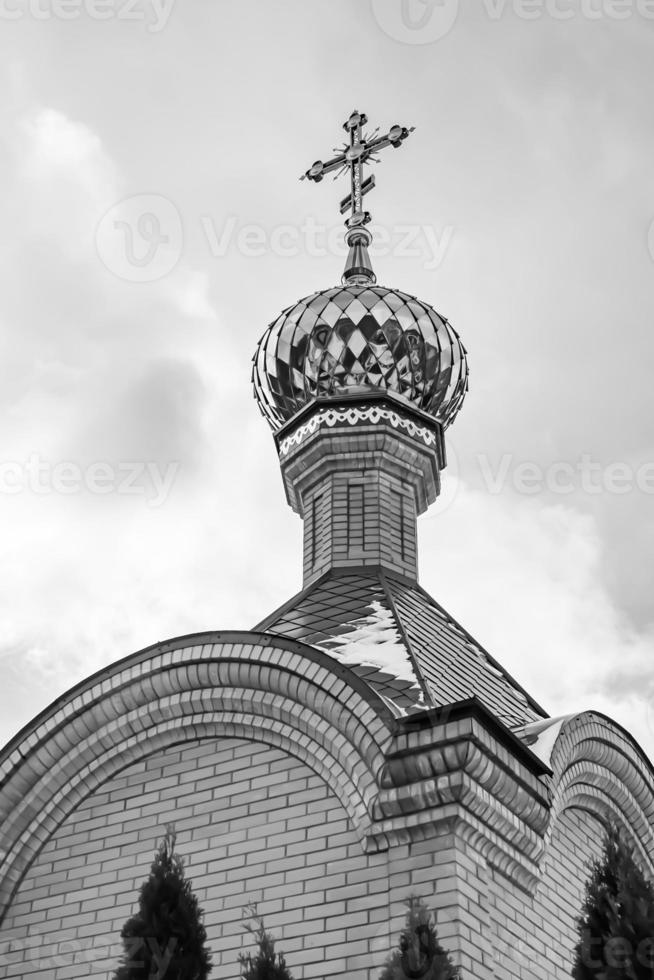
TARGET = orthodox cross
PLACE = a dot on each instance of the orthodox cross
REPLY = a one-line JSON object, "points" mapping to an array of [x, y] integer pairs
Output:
{"points": [[362, 149]]}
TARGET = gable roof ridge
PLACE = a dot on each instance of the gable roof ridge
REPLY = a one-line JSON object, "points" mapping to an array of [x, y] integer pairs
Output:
{"points": [[415, 662]]}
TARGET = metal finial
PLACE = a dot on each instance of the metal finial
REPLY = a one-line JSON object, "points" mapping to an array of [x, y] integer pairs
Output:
{"points": [[360, 150]]}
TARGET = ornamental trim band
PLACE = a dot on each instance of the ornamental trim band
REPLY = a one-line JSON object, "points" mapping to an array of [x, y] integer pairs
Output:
{"points": [[355, 416]]}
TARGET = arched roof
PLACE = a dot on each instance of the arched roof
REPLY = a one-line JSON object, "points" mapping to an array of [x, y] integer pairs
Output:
{"points": [[599, 767]]}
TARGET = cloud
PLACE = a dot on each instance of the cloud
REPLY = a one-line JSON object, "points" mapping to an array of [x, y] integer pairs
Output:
{"points": [[153, 412], [99, 369], [524, 576], [67, 180], [548, 279], [94, 369]]}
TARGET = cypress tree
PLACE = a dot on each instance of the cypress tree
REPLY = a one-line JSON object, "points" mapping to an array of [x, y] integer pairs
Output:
{"points": [[266, 964], [419, 955], [166, 937], [616, 927]]}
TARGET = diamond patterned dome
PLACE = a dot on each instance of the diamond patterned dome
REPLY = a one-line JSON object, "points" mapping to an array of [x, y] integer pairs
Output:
{"points": [[354, 339]]}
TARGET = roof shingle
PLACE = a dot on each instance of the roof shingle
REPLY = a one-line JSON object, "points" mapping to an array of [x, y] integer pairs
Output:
{"points": [[406, 646]]}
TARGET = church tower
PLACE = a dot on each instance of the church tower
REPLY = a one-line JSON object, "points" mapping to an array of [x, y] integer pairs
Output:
{"points": [[358, 746], [358, 383]]}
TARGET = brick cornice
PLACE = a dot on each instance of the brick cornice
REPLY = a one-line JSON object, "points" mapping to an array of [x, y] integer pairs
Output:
{"points": [[417, 732], [343, 403], [370, 437], [458, 818], [364, 413], [452, 761]]}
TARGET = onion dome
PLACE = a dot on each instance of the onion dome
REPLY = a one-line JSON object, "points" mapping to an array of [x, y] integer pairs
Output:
{"points": [[359, 338], [356, 339]]}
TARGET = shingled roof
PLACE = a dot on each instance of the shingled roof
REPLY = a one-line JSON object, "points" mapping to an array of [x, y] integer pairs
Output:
{"points": [[406, 646]]}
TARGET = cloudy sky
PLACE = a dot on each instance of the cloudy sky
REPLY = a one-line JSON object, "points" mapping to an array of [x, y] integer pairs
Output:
{"points": [[152, 224]]}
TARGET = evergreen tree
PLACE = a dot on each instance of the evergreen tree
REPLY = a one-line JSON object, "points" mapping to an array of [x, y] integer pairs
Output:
{"points": [[419, 955], [166, 937], [616, 927], [266, 964]]}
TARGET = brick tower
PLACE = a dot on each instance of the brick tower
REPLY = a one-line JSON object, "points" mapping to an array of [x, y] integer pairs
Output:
{"points": [[355, 748]]}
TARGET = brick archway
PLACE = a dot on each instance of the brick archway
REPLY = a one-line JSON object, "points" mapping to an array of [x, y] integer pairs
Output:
{"points": [[598, 767], [244, 685]]}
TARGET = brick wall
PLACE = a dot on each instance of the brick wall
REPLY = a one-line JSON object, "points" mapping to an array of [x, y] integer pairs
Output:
{"points": [[359, 518], [534, 939], [502, 933], [255, 823]]}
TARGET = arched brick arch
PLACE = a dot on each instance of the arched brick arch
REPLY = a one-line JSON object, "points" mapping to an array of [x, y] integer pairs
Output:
{"points": [[597, 766], [243, 685]]}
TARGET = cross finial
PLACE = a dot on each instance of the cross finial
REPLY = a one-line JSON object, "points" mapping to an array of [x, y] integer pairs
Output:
{"points": [[361, 149]]}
